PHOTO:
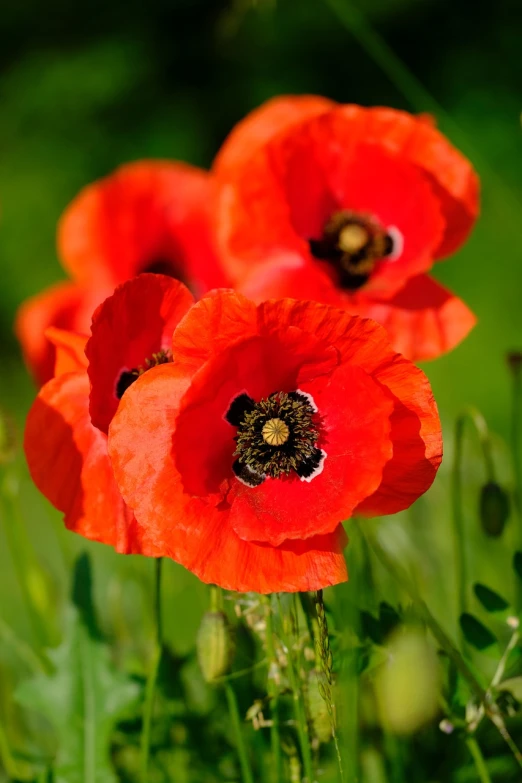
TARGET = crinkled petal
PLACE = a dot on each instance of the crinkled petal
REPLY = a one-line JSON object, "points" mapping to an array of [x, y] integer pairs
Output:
{"points": [[69, 464], [132, 325], [354, 415], [204, 439], [423, 320], [415, 424], [194, 532]]}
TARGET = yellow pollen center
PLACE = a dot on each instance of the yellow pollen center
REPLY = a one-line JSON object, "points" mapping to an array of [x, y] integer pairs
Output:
{"points": [[275, 432], [352, 238]]}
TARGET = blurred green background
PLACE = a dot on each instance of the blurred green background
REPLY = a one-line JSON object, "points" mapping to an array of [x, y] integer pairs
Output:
{"points": [[85, 87]]}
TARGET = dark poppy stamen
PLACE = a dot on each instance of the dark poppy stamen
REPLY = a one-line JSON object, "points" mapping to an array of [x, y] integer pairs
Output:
{"points": [[353, 244], [275, 437], [128, 377]]}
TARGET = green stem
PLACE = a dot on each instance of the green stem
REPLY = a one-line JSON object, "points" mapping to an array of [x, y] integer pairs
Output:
{"points": [[246, 771], [299, 712], [459, 537], [516, 448], [275, 739], [150, 689], [478, 758]]}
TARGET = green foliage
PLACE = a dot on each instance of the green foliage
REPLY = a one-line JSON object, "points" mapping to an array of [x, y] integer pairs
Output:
{"points": [[476, 632], [83, 698], [490, 600]]}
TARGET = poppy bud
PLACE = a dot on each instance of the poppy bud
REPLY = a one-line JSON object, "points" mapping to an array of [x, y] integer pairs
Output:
{"points": [[317, 705], [494, 509], [215, 646]]}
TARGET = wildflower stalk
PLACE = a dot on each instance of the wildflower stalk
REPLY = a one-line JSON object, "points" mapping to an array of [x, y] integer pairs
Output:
{"points": [[324, 658], [478, 758], [275, 739], [299, 711], [474, 417], [150, 688]]}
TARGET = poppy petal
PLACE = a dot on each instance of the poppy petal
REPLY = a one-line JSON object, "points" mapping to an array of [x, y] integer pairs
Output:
{"points": [[259, 367], [258, 127], [452, 175], [217, 321], [423, 320], [70, 350], [69, 464], [354, 412], [148, 216], [132, 325], [65, 306], [415, 424], [193, 532]]}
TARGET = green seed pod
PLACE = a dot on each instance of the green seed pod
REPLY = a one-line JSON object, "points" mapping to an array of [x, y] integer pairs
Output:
{"points": [[494, 509], [215, 645], [318, 688]]}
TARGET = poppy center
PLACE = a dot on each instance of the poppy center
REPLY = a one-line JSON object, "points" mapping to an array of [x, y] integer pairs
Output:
{"points": [[275, 437], [352, 243], [128, 377]]}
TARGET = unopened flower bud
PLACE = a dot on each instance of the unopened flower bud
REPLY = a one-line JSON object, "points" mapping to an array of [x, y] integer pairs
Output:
{"points": [[318, 688], [494, 509], [215, 645]]}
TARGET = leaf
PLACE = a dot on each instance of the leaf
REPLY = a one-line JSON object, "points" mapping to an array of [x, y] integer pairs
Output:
{"points": [[517, 564], [513, 686], [84, 697], [475, 632], [490, 600]]}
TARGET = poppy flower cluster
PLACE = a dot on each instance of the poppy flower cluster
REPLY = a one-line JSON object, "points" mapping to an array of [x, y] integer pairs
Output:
{"points": [[234, 430]]}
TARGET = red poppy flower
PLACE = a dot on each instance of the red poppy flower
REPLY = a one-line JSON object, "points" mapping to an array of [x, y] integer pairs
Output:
{"points": [[349, 206], [149, 216], [65, 436], [272, 424]]}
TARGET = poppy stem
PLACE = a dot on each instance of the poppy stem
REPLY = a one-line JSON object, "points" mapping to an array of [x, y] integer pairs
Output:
{"points": [[244, 761], [273, 692], [515, 364], [299, 710], [474, 417], [150, 688], [478, 758]]}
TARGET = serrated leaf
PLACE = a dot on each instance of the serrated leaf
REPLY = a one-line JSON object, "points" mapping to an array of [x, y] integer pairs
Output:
{"points": [[490, 600], [84, 696], [517, 564], [476, 632]]}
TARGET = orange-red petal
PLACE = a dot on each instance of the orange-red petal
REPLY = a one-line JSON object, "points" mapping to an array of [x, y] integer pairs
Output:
{"points": [[194, 532], [423, 320], [70, 350], [69, 464], [63, 305], [258, 127], [129, 327], [146, 216]]}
